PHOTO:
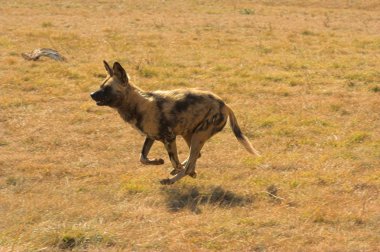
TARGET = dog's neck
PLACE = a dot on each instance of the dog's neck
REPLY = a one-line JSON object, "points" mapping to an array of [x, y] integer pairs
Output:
{"points": [[134, 99]]}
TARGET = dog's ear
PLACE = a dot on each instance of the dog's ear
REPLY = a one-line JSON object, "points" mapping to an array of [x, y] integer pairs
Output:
{"points": [[108, 68], [120, 73]]}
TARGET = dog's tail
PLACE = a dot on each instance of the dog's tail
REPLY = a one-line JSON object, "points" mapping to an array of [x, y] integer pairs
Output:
{"points": [[239, 135]]}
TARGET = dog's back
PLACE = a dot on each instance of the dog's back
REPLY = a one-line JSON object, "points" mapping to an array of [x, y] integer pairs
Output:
{"points": [[191, 110]]}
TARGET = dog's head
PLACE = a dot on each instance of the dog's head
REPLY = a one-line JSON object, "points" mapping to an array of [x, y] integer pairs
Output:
{"points": [[112, 90]]}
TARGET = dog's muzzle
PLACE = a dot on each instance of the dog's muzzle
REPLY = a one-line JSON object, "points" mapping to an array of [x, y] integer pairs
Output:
{"points": [[99, 97]]}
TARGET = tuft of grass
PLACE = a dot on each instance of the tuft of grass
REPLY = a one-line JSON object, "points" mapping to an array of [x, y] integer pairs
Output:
{"points": [[264, 49], [273, 78], [147, 72], [3, 143], [253, 161], [285, 132], [247, 11], [11, 181], [5, 42], [294, 184], [375, 89], [358, 137], [47, 24], [69, 241], [320, 218], [267, 124], [79, 240], [134, 187], [308, 33]]}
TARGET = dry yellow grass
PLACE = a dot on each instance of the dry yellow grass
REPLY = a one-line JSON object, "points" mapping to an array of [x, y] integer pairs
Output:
{"points": [[302, 76]]}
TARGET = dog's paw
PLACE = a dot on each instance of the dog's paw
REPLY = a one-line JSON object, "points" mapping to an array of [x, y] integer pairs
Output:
{"points": [[156, 161], [166, 182], [175, 171], [159, 161], [193, 174]]}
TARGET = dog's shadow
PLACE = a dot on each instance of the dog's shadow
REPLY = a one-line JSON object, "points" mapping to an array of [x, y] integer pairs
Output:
{"points": [[191, 197]]}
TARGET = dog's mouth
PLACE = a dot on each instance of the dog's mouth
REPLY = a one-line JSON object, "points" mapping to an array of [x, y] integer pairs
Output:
{"points": [[99, 98], [101, 103], [103, 99]]}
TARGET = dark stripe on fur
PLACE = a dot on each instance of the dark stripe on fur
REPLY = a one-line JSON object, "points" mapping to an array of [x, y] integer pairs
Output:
{"points": [[183, 104], [237, 132], [131, 114], [219, 127], [139, 119], [164, 124], [203, 124]]}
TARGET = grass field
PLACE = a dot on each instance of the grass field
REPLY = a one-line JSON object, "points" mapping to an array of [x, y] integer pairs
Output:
{"points": [[303, 78]]}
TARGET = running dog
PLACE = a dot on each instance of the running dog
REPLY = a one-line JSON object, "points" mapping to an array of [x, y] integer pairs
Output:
{"points": [[194, 114]]}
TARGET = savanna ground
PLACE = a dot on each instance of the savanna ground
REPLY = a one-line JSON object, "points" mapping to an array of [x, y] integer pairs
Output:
{"points": [[302, 77]]}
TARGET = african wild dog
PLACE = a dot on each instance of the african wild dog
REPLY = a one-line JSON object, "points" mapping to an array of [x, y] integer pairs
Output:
{"points": [[194, 114]]}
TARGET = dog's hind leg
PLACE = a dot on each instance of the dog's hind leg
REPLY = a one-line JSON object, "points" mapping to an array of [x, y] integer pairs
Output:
{"points": [[144, 154], [197, 142], [174, 179], [204, 131], [195, 147], [188, 142]]}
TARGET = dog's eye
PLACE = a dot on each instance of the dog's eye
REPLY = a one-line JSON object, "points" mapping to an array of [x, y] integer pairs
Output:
{"points": [[107, 90]]}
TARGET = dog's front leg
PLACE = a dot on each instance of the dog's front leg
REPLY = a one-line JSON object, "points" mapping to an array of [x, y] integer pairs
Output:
{"points": [[178, 171], [171, 148], [144, 153]]}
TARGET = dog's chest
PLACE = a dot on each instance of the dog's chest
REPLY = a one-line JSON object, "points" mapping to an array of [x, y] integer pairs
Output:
{"points": [[134, 118], [135, 125]]}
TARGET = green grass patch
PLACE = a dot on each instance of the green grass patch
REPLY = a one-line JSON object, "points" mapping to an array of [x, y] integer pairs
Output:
{"points": [[75, 239], [247, 11], [3, 143], [5, 42], [47, 24], [133, 186], [12, 181], [147, 72], [357, 138], [375, 89], [308, 33]]}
